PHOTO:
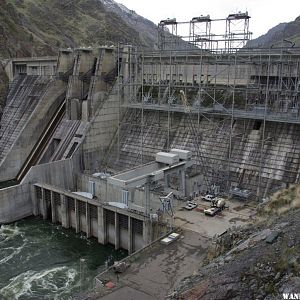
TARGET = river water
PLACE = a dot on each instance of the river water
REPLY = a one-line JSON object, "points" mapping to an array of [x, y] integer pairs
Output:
{"points": [[41, 260]]}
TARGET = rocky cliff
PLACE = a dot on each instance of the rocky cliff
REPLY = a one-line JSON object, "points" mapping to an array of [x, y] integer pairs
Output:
{"points": [[3, 88]]}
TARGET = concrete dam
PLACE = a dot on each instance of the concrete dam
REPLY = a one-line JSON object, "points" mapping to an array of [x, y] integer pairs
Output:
{"points": [[96, 138]]}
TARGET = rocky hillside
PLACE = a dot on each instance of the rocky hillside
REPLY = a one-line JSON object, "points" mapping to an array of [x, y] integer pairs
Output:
{"points": [[276, 35], [3, 88], [257, 261], [147, 29], [31, 27]]}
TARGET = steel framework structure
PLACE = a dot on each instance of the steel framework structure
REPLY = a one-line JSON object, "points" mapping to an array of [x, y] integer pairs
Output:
{"points": [[199, 33], [238, 96]]}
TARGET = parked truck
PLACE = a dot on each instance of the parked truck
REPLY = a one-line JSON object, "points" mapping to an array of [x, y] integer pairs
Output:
{"points": [[217, 205], [208, 197]]}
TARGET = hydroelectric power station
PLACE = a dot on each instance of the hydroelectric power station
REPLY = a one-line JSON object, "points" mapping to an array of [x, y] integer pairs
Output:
{"points": [[109, 140]]}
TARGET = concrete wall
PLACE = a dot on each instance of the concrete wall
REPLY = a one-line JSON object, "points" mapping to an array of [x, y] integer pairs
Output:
{"points": [[195, 185], [16, 201], [65, 61], [222, 67], [84, 61], [101, 132], [213, 72], [99, 89], [253, 163], [62, 173], [8, 67], [31, 66], [198, 73]]}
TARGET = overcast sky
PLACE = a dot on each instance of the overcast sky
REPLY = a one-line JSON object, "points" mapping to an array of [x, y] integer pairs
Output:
{"points": [[265, 14]]}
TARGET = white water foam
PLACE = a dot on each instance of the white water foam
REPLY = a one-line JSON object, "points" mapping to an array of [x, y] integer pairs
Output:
{"points": [[8, 232], [29, 282], [15, 251]]}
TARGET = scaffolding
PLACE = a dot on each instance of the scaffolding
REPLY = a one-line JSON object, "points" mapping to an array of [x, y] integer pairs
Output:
{"points": [[203, 32], [200, 32], [237, 30], [244, 104]]}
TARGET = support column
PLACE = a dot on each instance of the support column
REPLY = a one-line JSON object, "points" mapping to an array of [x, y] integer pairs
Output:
{"points": [[102, 229], [130, 236], [77, 220], [182, 182], [64, 211], [34, 200], [88, 220], [167, 180], [117, 231], [147, 232], [131, 193], [147, 197], [53, 208], [44, 205]]}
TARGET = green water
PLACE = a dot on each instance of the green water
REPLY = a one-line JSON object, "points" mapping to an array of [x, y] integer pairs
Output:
{"points": [[41, 260]]}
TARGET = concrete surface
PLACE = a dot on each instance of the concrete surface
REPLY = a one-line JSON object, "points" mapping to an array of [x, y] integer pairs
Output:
{"points": [[128, 293], [238, 213], [160, 268]]}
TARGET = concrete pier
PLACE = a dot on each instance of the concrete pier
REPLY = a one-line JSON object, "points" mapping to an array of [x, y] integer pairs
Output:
{"points": [[109, 224]]}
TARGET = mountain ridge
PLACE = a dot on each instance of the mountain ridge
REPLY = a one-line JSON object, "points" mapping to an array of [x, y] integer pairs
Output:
{"points": [[281, 35]]}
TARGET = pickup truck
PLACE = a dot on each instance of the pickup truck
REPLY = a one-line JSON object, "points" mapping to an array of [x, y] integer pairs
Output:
{"points": [[208, 197], [170, 238]]}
